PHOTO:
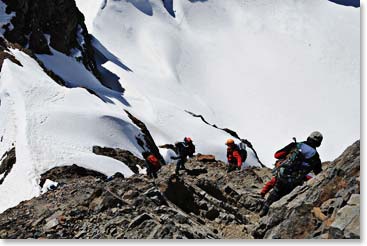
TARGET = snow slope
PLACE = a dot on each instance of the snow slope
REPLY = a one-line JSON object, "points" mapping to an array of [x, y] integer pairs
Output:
{"points": [[269, 69], [51, 125]]}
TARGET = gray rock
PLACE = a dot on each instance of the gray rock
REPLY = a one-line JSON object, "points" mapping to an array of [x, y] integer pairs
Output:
{"points": [[50, 224], [139, 219], [347, 220]]}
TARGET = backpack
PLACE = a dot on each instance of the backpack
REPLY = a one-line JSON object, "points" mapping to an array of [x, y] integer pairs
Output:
{"points": [[191, 149], [154, 162], [242, 150], [184, 150], [179, 147], [289, 169]]}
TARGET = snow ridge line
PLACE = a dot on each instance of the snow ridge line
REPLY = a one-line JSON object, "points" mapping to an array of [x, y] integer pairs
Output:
{"points": [[230, 132]]}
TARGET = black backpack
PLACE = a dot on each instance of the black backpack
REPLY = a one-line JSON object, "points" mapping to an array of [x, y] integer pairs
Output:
{"points": [[191, 149], [242, 150], [184, 149], [289, 169]]}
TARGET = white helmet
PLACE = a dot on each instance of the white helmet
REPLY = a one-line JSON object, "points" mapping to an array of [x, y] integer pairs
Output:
{"points": [[315, 137]]}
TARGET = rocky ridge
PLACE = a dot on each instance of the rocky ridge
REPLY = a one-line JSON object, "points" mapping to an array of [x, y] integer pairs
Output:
{"points": [[205, 202], [327, 206], [40, 25]]}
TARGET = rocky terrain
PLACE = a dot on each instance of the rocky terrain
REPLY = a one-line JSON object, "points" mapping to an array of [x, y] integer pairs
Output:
{"points": [[328, 206], [39, 26], [204, 202]]}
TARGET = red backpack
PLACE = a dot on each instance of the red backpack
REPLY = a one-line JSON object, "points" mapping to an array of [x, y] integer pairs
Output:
{"points": [[154, 161]]}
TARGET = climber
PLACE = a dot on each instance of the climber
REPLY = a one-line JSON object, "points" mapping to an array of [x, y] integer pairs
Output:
{"points": [[183, 150], [233, 156], [271, 183], [152, 163], [296, 160]]}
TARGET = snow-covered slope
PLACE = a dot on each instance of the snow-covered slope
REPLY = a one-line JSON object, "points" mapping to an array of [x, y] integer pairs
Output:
{"points": [[269, 69], [51, 125]]}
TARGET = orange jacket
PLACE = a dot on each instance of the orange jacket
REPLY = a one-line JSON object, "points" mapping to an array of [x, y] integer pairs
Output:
{"points": [[234, 157]]}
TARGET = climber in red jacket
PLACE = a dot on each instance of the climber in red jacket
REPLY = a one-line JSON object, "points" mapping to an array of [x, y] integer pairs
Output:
{"points": [[233, 156], [271, 183], [152, 163]]}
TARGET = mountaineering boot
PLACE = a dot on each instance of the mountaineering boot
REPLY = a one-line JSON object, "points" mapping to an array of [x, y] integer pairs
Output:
{"points": [[264, 210]]}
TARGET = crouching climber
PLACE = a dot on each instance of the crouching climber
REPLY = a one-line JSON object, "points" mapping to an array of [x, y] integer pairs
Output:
{"points": [[295, 161], [236, 155], [183, 150], [152, 164], [271, 184]]}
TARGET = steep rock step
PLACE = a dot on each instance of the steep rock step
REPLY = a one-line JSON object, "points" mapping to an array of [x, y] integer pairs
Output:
{"points": [[317, 209]]}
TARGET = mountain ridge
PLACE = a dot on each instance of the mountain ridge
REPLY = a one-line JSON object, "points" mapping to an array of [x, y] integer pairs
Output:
{"points": [[204, 202]]}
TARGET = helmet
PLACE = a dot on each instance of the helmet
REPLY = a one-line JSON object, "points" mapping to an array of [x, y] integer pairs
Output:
{"points": [[315, 138], [187, 140], [229, 141]]}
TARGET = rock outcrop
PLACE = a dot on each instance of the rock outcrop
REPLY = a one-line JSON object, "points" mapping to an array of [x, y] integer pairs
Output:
{"points": [[325, 207], [39, 25], [145, 140], [7, 162], [5, 54], [122, 155], [203, 202]]}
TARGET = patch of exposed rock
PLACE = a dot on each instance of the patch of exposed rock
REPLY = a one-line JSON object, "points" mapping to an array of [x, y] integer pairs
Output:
{"points": [[124, 156], [325, 207], [145, 140], [7, 162], [5, 53], [39, 25], [66, 173]]}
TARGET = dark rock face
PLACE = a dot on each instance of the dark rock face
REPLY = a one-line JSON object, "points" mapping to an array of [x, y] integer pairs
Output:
{"points": [[325, 207], [5, 54], [121, 155], [65, 173], [146, 140], [7, 162], [203, 202], [60, 19]]}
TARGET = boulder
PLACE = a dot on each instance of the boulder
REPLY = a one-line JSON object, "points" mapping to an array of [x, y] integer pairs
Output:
{"points": [[205, 158], [346, 223]]}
